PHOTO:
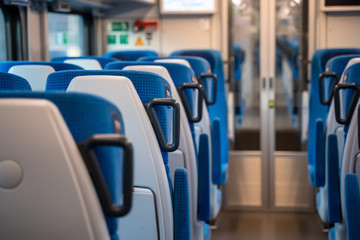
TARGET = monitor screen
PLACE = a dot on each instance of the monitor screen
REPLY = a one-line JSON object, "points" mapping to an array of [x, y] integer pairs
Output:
{"points": [[187, 6]]}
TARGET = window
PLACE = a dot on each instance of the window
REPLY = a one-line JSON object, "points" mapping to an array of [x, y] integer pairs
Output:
{"points": [[66, 35], [3, 47]]}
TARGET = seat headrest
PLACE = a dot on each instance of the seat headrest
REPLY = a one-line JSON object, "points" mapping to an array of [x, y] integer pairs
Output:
{"points": [[10, 81], [102, 60], [130, 55], [5, 66], [179, 73], [86, 115], [212, 56], [198, 64], [338, 64]]}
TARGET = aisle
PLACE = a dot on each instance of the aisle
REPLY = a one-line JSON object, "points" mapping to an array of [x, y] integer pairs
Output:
{"points": [[268, 226]]}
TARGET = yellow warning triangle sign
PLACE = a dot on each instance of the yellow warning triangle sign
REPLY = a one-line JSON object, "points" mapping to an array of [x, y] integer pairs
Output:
{"points": [[139, 42]]}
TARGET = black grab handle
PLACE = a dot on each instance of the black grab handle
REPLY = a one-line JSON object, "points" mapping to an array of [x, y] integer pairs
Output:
{"points": [[150, 109], [322, 76], [181, 89], [206, 96], [87, 151], [353, 103]]}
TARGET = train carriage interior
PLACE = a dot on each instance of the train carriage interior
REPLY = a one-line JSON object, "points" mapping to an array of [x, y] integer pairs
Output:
{"points": [[179, 119]]}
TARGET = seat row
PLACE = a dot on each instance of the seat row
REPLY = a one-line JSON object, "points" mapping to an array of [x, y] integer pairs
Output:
{"points": [[333, 141], [151, 135]]}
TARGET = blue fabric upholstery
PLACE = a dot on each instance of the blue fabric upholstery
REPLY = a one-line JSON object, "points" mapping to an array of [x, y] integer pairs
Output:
{"points": [[181, 205], [217, 110], [130, 55], [199, 65], [334, 206], [5, 66], [204, 179], [316, 109], [352, 203], [332, 234], [207, 232], [318, 171], [102, 60], [81, 113], [10, 81], [336, 65], [180, 74], [352, 76], [148, 86]]}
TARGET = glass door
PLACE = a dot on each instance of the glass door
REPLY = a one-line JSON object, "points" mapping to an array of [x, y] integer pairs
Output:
{"points": [[267, 167]]}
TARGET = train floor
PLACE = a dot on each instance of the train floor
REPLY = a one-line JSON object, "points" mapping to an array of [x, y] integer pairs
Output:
{"points": [[233, 225]]}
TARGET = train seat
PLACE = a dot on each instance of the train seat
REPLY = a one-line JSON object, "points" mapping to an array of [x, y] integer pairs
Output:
{"points": [[325, 144], [86, 62], [346, 99], [201, 127], [204, 76], [130, 55], [151, 170], [317, 111], [10, 81], [70, 164], [198, 167], [35, 72], [217, 111]]}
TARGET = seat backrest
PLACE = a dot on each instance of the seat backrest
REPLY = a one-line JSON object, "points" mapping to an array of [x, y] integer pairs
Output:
{"points": [[130, 55], [149, 171], [217, 111], [86, 62], [10, 81], [35, 72], [58, 173], [316, 109]]}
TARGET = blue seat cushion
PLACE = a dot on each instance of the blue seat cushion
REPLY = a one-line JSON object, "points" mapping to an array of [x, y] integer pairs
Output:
{"points": [[86, 115]]}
